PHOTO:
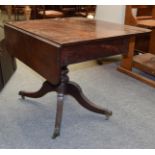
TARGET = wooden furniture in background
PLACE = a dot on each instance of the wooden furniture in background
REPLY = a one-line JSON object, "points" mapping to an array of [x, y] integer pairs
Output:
{"points": [[48, 11], [43, 12], [17, 11], [49, 46], [9, 11], [144, 17], [145, 62], [68, 10]]}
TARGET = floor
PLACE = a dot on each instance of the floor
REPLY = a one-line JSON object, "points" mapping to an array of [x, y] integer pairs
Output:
{"points": [[29, 123]]}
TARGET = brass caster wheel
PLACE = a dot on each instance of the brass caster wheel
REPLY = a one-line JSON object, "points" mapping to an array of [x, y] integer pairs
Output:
{"points": [[108, 115], [56, 133]]}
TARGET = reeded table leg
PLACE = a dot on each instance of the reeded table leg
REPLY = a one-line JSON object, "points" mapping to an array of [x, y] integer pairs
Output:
{"points": [[60, 98], [65, 87]]}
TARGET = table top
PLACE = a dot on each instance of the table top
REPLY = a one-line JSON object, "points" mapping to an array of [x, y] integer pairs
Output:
{"points": [[74, 30]]}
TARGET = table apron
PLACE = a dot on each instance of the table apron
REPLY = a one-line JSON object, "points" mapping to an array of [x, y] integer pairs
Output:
{"points": [[89, 51]]}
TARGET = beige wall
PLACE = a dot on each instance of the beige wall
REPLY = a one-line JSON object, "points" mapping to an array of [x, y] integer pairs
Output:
{"points": [[112, 13]]}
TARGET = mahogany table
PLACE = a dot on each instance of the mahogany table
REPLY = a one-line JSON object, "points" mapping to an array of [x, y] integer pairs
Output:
{"points": [[49, 46]]}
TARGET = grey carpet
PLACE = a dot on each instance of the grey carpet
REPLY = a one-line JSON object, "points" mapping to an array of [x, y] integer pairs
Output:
{"points": [[30, 123]]}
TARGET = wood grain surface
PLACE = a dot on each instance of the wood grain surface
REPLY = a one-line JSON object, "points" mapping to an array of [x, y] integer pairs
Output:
{"points": [[74, 30]]}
